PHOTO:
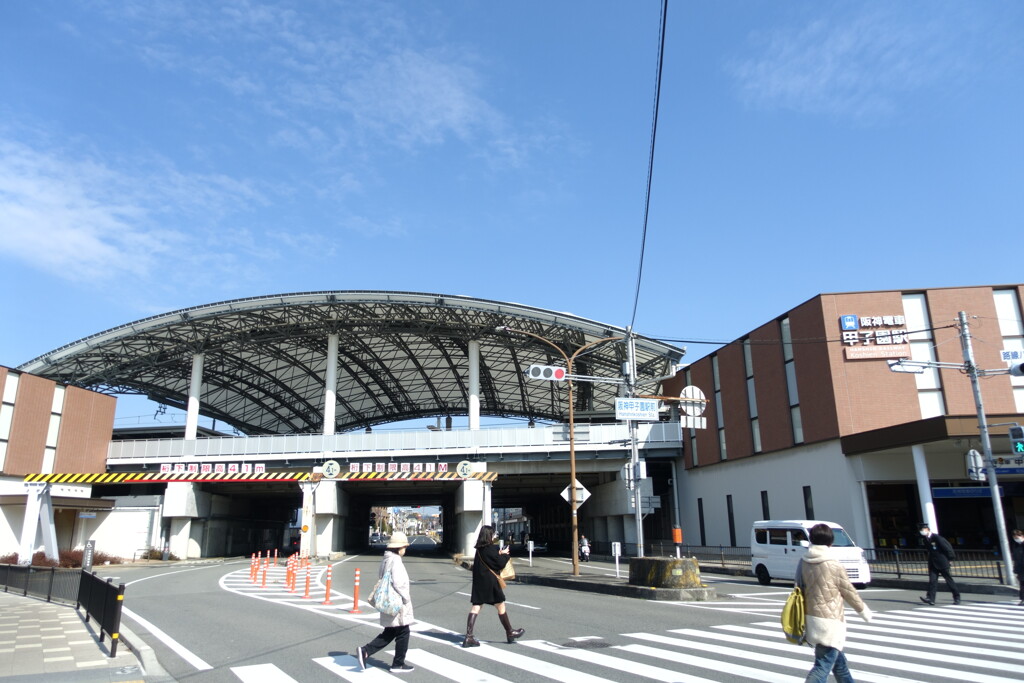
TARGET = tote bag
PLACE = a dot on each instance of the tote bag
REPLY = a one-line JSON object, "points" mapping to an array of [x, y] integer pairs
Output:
{"points": [[384, 597], [508, 572]]}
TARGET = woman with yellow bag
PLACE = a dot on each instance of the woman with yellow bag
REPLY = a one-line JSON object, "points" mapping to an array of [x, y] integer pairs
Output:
{"points": [[489, 564]]}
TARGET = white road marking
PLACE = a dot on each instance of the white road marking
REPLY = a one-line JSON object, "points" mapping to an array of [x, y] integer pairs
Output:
{"points": [[171, 643], [262, 673]]}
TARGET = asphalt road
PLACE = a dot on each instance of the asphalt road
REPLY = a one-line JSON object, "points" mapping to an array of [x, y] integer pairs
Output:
{"points": [[209, 622]]}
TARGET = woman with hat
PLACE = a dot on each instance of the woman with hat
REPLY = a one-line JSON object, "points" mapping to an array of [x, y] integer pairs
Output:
{"points": [[396, 628]]}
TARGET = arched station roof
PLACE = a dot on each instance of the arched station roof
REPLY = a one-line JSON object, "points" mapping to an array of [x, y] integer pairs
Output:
{"points": [[402, 355]]}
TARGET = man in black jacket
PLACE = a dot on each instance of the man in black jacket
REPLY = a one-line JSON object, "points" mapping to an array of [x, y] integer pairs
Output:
{"points": [[940, 552], [1017, 553]]}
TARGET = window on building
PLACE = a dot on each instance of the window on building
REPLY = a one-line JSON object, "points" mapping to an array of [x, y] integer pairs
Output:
{"points": [[1011, 327], [808, 503], [719, 414], [700, 520], [922, 347], [755, 425], [791, 388], [764, 506], [732, 520]]}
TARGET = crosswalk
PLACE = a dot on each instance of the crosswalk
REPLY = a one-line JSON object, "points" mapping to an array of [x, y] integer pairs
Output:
{"points": [[974, 642]]}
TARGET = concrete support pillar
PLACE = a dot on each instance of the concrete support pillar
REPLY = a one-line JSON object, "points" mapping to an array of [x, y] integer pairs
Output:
{"points": [[924, 488], [331, 384], [329, 504], [194, 391], [184, 502], [472, 511], [474, 385], [307, 538], [38, 517]]}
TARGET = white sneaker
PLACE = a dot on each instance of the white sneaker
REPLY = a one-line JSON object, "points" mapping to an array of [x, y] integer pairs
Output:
{"points": [[361, 656]]}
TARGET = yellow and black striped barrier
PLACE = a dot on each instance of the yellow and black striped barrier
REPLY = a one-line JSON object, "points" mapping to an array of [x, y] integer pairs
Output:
{"points": [[242, 477]]}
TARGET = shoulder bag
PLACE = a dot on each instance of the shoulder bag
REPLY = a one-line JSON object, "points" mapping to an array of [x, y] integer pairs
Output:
{"points": [[384, 597]]}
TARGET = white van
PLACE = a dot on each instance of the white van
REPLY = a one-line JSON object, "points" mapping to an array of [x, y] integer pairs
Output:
{"points": [[776, 547]]}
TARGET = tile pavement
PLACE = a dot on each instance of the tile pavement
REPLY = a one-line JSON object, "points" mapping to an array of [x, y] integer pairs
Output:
{"points": [[42, 641]]}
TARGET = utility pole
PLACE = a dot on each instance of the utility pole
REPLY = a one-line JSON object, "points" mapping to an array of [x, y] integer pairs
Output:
{"points": [[634, 459], [986, 443]]}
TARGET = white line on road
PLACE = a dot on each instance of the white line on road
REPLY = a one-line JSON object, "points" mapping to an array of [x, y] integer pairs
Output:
{"points": [[262, 673], [507, 602], [171, 643]]}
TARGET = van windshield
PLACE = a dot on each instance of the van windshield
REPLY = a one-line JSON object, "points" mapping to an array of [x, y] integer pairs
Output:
{"points": [[842, 540]]}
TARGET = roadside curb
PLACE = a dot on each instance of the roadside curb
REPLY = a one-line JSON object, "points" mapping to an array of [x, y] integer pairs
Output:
{"points": [[154, 672]]}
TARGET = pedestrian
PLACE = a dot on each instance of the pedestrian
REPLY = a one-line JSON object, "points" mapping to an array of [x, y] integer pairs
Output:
{"points": [[584, 548], [826, 586], [487, 565], [1017, 553], [940, 553], [396, 628]]}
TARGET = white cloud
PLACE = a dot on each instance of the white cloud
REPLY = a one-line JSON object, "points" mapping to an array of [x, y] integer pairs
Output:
{"points": [[69, 217], [858, 66], [77, 218]]}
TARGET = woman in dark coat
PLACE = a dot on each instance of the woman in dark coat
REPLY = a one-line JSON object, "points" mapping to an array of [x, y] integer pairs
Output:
{"points": [[487, 565]]}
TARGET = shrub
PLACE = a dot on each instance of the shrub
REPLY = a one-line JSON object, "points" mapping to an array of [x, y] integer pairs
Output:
{"points": [[67, 559]]}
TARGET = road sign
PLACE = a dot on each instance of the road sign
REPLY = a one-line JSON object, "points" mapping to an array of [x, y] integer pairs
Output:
{"points": [[645, 409], [581, 494], [692, 401], [331, 469], [464, 469]]}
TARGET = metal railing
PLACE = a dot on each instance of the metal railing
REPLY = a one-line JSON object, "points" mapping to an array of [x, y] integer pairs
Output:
{"points": [[969, 564], [53, 584], [102, 601]]}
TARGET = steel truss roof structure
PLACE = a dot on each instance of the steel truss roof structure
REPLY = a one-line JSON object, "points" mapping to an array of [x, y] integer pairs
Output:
{"points": [[401, 355]]}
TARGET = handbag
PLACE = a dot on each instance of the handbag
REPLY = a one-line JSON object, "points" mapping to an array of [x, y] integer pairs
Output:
{"points": [[793, 619], [501, 581], [383, 597], [508, 572]]}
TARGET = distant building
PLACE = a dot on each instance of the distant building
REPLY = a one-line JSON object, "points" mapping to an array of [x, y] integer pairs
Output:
{"points": [[806, 419]]}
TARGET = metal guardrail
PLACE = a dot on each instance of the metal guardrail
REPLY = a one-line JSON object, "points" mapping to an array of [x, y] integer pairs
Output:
{"points": [[53, 584], [102, 601], [969, 564]]}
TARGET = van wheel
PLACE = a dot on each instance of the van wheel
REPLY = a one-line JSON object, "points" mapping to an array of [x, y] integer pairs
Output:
{"points": [[763, 577], [860, 586]]}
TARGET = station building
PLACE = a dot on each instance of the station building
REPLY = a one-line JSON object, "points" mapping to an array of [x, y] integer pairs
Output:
{"points": [[807, 420]]}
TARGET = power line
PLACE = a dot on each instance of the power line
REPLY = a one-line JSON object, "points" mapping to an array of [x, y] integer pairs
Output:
{"points": [[650, 160]]}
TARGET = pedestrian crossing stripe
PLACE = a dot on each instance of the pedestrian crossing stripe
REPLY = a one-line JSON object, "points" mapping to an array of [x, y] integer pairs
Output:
{"points": [[902, 645]]}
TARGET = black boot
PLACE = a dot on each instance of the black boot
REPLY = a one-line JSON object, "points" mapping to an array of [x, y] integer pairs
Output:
{"points": [[510, 634], [470, 641]]}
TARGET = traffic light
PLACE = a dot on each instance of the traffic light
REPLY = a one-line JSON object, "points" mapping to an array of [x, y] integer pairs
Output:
{"points": [[551, 373], [1017, 440]]}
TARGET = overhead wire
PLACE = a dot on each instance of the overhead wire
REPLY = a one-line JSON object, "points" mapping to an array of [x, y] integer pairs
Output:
{"points": [[650, 161]]}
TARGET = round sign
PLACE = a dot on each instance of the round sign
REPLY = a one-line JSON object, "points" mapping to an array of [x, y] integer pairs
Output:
{"points": [[693, 402], [305, 528], [464, 469], [331, 469]]}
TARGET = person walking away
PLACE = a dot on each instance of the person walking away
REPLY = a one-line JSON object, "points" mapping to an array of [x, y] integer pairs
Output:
{"points": [[487, 565], [396, 628], [940, 553], [1017, 553], [826, 587]]}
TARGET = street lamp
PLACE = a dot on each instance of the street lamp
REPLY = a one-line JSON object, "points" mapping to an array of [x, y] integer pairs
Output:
{"points": [[572, 430], [972, 370]]}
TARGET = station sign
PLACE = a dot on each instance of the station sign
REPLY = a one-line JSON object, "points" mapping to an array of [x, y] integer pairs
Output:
{"points": [[641, 409]]}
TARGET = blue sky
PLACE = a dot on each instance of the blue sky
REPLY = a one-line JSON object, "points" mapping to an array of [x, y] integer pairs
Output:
{"points": [[156, 155]]}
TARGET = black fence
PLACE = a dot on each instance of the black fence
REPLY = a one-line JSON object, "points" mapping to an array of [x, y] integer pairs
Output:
{"points": [[969, 564], [53, 584], [102, 601]]}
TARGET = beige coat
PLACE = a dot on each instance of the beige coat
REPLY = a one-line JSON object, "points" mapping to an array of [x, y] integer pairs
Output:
{"points": [[826, 587], [400, 582]]}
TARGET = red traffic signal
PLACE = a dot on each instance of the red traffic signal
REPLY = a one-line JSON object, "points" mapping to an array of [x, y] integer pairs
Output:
{"points": [[552, 373]]}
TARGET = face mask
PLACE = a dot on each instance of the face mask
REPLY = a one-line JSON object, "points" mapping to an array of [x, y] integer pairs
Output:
{"points": [[925, 532]]}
